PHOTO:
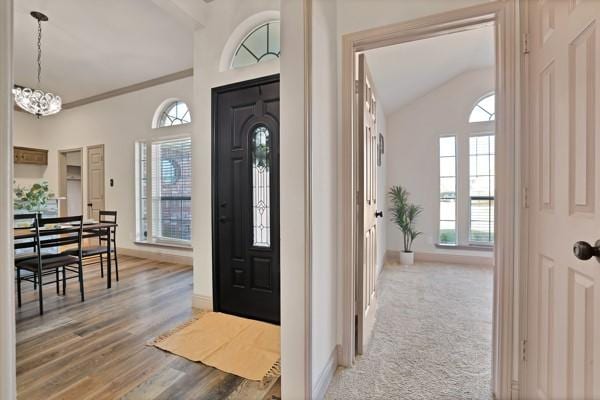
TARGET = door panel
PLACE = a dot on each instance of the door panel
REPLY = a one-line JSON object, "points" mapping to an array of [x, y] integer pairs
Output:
{"points": [[95, 178], [563, 300], [246, 199], [367, 224]]}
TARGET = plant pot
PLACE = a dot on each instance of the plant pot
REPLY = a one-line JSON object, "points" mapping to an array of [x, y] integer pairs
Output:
{"points": [[407, 258]]}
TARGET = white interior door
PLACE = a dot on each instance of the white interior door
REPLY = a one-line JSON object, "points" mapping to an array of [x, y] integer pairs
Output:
{"points": [[367, 197], [563, 331], [95, 180]]}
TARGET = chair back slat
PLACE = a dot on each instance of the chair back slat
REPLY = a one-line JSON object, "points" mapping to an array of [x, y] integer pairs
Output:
{"points": [[59, 241], [33, 217], [63, 236], [29, 242], [108, 216], [60, 220]]}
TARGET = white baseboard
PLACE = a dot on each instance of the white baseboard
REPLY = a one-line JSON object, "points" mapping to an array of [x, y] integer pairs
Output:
{"points": [[449, 258], [324, 379], [202, 302], [160, 257]]}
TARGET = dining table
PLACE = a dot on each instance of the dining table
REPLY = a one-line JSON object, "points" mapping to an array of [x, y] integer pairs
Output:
{"points": [[90, 230]]}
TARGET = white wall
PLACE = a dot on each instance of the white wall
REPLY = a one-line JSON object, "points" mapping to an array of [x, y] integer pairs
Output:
{"points": [[117, 123], [26, 134], [295, 291], [324, 189], [412, 150], [382, 189]]}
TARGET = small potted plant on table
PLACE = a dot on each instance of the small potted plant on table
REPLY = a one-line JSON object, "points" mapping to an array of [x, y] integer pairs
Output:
{"points": [[404, 215]]}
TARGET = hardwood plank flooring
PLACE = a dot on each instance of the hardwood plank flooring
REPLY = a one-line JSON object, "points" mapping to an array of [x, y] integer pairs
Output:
{"points": [[97, 349]]}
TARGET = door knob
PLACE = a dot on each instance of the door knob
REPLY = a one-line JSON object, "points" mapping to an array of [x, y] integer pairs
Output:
{"points": [[585, 251], [379, 214], [223, 219]]}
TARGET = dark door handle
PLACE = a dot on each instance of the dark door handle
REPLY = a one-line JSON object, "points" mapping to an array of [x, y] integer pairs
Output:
{"points": [[585, 251], [223, 219], [378, 214]]}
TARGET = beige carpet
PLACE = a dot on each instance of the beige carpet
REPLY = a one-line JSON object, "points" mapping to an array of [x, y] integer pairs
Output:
{"points": [[239, 346], [432, 337]]}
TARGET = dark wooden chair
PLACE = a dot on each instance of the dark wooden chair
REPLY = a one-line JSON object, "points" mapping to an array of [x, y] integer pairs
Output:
{"points": [[101, 249], [25, 248], [43, 265]]}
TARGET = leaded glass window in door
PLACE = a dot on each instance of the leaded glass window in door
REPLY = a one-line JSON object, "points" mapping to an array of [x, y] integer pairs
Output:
{"points": [[261, 187]]}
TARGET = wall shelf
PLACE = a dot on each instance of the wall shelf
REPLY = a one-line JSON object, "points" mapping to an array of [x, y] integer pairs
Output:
{"points": [[27, 155]]}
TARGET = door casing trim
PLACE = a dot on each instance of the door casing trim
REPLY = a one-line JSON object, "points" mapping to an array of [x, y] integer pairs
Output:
{"points": [[8, 368], [510, 179], [215, 92]]}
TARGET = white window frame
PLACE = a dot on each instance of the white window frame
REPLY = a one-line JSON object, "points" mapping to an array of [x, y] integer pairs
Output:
{"points": [[476, 103], [150, 239], [456, 204], [462, 210], [163, 107], [246, 36], [468, 239]]}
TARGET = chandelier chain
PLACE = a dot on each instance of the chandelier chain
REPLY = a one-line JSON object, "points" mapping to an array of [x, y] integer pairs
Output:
{"points": [[39, 52]]}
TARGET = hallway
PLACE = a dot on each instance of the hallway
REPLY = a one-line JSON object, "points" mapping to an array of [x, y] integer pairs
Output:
{"points": [[432, 337]]}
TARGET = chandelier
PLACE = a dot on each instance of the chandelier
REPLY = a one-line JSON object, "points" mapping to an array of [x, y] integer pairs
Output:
{"points": [[37, 101]]}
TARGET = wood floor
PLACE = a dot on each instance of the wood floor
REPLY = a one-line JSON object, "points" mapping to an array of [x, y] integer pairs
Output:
{"points": [[97, 349]]}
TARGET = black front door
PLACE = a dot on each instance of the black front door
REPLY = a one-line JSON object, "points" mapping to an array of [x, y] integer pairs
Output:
{"points": [[246, 199]]}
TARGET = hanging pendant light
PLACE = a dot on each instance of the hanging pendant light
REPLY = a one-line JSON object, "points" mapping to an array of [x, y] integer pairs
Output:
{"points": [[36, 101]]}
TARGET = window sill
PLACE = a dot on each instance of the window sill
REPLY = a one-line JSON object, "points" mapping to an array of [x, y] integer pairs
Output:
{"points": [[164, 244], [475, 247]]}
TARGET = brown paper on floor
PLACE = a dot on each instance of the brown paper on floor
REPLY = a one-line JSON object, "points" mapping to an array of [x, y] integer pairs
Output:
{"points": [[239, 346]]}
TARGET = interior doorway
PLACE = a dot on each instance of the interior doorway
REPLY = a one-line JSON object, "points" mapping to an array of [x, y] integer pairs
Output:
{"points": [[70, 164], [501, 208], [246, 199], [425, 286]]}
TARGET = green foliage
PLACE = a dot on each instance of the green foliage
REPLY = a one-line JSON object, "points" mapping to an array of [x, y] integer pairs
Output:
{"points": [[448, 236], [33, 198], [404, 215]]}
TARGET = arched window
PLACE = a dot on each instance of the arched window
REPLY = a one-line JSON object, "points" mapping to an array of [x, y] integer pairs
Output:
{"points": [[484, 110], [174, 113], [262, 44]]}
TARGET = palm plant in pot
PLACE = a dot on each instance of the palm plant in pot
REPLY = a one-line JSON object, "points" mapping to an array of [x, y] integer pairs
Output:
{"points": [[404, 215]]}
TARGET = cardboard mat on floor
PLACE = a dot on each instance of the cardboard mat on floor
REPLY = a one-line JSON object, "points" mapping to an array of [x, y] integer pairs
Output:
{"points": [[239, 346]]}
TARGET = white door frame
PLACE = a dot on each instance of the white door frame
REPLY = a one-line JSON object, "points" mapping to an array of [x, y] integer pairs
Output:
{"points": [[8, 385], [505, 15]]}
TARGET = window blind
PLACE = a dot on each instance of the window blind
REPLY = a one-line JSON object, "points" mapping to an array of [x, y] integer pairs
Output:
{"points": [[164, 208]]}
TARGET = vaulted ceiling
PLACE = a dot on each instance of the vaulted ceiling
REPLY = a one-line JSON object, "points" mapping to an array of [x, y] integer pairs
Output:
{"points": [[407, 71], [95, 46]]}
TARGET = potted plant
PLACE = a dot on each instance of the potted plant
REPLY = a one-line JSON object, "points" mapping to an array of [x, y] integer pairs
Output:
{"points": [[404, 215], [32, 199]]}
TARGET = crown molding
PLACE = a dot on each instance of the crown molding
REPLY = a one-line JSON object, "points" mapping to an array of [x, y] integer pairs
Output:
{"points": [[186, 73]]}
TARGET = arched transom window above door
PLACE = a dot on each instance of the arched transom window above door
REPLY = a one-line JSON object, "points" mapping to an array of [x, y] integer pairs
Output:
{"points": [[174, 113], [484, 110], [260, 45]]}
